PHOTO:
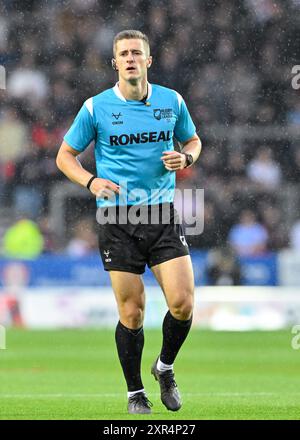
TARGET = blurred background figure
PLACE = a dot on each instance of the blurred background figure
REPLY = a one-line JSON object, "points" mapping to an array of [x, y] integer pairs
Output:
{"points": [[264, 171], [223, 268], [14, 146], [23, 240], [248, 237], [295, 236], [84, 239]]}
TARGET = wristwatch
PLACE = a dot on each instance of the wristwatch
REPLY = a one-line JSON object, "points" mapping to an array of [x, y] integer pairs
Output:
{"points": [[188, 160]]}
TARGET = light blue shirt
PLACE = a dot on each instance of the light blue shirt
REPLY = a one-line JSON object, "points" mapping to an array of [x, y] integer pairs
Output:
{"points": [[245, 237], [130, 137]]}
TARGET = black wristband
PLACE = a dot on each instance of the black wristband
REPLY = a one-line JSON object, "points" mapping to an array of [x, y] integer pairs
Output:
{"points": [[90, 181]]}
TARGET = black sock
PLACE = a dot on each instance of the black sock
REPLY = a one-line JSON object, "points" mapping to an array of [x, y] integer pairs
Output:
{"points": [[174, 334], [130, 344]]}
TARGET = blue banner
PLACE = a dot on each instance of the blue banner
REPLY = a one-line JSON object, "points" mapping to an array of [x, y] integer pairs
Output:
{"points": [[259, 271], [60, 270]]}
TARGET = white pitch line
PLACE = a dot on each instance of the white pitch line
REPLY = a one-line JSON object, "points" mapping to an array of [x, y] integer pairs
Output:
{"points": [[59, 395], [102, 395]]}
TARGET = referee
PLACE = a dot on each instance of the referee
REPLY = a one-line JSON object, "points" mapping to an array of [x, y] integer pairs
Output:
{"points": [[133, 124]]}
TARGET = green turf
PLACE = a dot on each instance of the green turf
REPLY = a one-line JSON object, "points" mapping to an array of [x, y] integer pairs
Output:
{"points": [[75, 374]]}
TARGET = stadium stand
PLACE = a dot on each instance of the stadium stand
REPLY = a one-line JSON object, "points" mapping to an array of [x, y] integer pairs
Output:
{"points": [[232, 63]]}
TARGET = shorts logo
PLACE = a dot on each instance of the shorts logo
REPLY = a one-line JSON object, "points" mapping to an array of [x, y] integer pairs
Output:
{"points": [[162, 113], [106, 253], [183, 240]]}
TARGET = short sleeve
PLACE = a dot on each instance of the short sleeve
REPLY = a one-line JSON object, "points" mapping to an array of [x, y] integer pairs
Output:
{"points": [[184, 127], [82, 132]]}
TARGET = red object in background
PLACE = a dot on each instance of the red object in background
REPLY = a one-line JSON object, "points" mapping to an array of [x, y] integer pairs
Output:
{"points": [[9, 170], [39, 136], [9, 305], [186, 173], [44, 138]]}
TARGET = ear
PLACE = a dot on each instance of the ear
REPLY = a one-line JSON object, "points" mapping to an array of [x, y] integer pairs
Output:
{"points": [[114, 64], [149, 62]]}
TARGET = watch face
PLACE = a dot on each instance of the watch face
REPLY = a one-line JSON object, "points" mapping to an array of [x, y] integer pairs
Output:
{"points": [[189, 160]]}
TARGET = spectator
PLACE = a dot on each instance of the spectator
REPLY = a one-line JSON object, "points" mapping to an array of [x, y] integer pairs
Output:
{"points": [[293, 115], [248, 237], [13, 147], [223, 268], [295, 236], [83, 241], [277, 229], [23, 240], [263, 170], [294, 166], [28, 82], [13, 137], [50, 239], [235, 171]]}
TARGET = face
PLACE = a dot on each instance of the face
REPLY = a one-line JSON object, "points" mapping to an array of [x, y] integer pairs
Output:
{"points": [[132, 59]]}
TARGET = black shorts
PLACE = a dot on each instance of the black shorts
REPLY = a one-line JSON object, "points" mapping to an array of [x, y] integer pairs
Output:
{"points": [[129, 247]]}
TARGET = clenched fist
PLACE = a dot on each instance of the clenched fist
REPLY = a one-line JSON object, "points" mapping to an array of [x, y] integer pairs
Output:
{"points": [[173, 160], [103, 188]]}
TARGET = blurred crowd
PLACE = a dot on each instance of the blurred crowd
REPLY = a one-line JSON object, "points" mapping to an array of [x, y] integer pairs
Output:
{"points": [[231, 60]]}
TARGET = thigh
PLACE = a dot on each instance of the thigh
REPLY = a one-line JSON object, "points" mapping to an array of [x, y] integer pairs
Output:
{"points": [[129, 292], [128, 288], [176, 279]]}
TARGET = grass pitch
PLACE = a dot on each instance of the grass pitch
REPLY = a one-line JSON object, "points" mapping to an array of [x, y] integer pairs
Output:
{"points": [[75, 374]]}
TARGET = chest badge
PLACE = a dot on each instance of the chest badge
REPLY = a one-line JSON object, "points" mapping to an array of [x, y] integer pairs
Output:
{"points": [[163, 113]]}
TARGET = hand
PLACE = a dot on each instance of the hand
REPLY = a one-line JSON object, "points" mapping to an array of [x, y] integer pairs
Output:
{"points": [[103, 188], [173, 160]]}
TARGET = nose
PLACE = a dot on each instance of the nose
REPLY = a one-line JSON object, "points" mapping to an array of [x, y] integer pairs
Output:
{"points": [[130, 58]]}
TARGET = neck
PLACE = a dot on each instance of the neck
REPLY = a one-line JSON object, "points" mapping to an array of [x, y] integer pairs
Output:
{"points": [[134, 92]]}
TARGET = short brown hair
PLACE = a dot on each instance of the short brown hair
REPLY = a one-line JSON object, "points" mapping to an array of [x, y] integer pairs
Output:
{"points": [[131, 34]]}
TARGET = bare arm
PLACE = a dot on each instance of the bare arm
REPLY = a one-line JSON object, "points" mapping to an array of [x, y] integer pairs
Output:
{"points": [[69, 164], [193, 146], [174, 160]]}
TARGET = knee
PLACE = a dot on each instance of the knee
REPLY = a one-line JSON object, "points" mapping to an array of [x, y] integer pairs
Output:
{"points": [[182, 309], [132, 315]]}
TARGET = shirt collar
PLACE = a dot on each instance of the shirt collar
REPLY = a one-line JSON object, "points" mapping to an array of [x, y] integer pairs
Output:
{"points": [[120, 96]]}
